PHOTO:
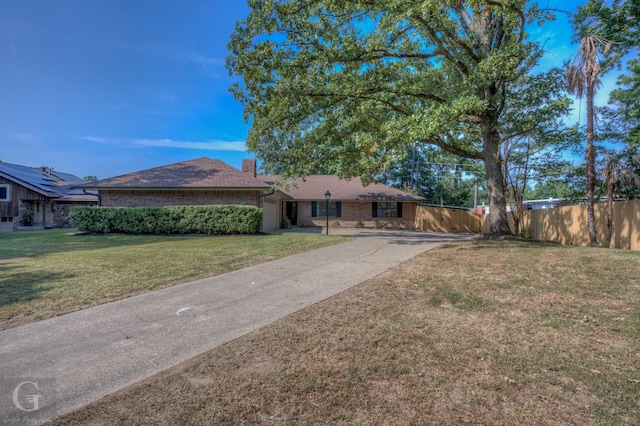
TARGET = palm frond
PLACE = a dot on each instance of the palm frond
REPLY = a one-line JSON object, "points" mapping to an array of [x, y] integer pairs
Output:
{"points": [[629, 178], [616, 173], [584, 69]]}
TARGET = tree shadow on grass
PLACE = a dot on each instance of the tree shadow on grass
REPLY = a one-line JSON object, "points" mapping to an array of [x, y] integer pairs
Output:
{"points": [[38, 243], [508, 242], [18, 286]]}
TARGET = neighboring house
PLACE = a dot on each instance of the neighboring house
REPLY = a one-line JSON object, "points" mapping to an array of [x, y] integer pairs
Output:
{"points": [[550, 203], [206, 181], [46, 195]]}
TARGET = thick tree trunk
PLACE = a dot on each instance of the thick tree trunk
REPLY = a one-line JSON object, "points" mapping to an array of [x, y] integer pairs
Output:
{"points": [[591, 167], [498, 220]]}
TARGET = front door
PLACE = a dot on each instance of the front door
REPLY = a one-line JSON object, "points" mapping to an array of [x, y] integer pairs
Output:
{"points": [[292, 212]]}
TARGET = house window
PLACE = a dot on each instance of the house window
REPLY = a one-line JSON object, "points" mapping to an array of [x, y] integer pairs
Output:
{"points": [[5, 192], [319, 209], [386, 209]]}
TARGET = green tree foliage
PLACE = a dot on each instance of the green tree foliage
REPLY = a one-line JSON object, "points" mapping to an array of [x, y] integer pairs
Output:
{"points": [[617, 27], [352, 83], [625, 102], [565, 181], [442, 178], [617, 22], [616, 175], [533, 135]]}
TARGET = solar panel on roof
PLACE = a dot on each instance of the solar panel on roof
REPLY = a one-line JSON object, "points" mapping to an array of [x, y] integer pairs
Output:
{"points": [[37, 178], [67, 177]]}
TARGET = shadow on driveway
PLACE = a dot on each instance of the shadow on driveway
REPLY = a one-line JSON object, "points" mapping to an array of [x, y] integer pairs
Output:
{"points": [[394, 236]]}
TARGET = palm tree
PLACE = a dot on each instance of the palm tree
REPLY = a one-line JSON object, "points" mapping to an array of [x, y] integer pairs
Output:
{"points": [[583, 79], [616, 175]]}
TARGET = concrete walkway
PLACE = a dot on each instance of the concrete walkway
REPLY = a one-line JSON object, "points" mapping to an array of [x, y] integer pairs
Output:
{"points": [[80, 357]]}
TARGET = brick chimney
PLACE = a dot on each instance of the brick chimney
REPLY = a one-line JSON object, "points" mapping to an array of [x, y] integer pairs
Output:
{"points": [[249, 166]]}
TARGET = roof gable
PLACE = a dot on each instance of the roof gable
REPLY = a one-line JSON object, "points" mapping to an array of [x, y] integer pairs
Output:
{"points": [[199, 173]]}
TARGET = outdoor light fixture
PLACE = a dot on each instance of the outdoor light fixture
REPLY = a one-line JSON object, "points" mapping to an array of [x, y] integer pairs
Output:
{"points": [[327, 196]]}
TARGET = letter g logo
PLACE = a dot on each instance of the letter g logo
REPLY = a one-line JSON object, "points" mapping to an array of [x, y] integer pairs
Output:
{"points": [[34, 400]]}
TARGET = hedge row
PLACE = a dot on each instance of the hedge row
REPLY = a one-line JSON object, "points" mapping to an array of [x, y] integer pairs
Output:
{"points": [[218, 219]]}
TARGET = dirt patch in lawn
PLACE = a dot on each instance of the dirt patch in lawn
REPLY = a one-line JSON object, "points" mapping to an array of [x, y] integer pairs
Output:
{"points": [[484, 332]]}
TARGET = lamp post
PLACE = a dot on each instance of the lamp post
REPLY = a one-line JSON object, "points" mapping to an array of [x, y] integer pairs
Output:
{"points": [[327, 197]]}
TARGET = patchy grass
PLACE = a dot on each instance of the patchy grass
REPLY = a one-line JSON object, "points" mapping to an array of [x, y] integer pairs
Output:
{"points": [[484, 332], [48, 273]]}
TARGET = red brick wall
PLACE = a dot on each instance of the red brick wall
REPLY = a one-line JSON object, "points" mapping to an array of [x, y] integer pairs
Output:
{"points": [[159, 198], [354, 210]]}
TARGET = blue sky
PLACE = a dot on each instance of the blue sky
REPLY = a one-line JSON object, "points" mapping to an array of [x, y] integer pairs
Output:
{"points": [[106, 87]]}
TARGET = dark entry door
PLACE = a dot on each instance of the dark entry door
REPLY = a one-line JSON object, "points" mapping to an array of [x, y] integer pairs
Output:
{"points": [[292, 212]]}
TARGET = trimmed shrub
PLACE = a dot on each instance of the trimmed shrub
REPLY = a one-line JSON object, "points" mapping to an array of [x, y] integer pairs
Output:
{"points": [[217, 219], [285, 223]]}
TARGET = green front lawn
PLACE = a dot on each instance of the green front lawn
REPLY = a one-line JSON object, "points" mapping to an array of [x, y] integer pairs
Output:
{"points": [[49, 273]]}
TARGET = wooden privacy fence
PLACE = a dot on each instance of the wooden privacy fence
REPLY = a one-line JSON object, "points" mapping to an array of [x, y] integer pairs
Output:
{"points": [[439, 219], [565, 225], [568, 225]]}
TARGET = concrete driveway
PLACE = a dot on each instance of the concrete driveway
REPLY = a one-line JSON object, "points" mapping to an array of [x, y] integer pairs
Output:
{"points": [[76, 358]]}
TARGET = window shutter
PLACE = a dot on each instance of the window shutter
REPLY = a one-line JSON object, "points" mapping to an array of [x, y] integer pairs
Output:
{"points": [[314, 209], [374, 209], [399, 208], [338, 209]]}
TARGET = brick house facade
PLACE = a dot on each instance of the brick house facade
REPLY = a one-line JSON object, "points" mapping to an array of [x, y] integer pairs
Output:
{"points": [[202, 181], [178, 197], [205, 181], [357, 213], [351, 203]]}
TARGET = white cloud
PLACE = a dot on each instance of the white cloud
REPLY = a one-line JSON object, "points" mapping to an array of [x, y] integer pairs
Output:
{"points": [[215, 145], [211, 65], [103, 141], [26, 138], [193, 57]]}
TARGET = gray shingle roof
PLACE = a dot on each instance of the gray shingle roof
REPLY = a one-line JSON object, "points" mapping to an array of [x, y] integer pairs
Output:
{"points": [[207, 173], [314, 187], [199, 173]]}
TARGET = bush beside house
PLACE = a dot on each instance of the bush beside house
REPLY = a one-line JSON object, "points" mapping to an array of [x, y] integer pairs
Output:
{"points": [[214, 219]]}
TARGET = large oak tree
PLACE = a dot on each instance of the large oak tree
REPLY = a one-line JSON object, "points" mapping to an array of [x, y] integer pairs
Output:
{"points": [[350, 82]]}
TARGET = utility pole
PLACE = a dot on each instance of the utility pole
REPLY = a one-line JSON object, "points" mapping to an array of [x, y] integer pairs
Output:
{"points": [[475, 190]]}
